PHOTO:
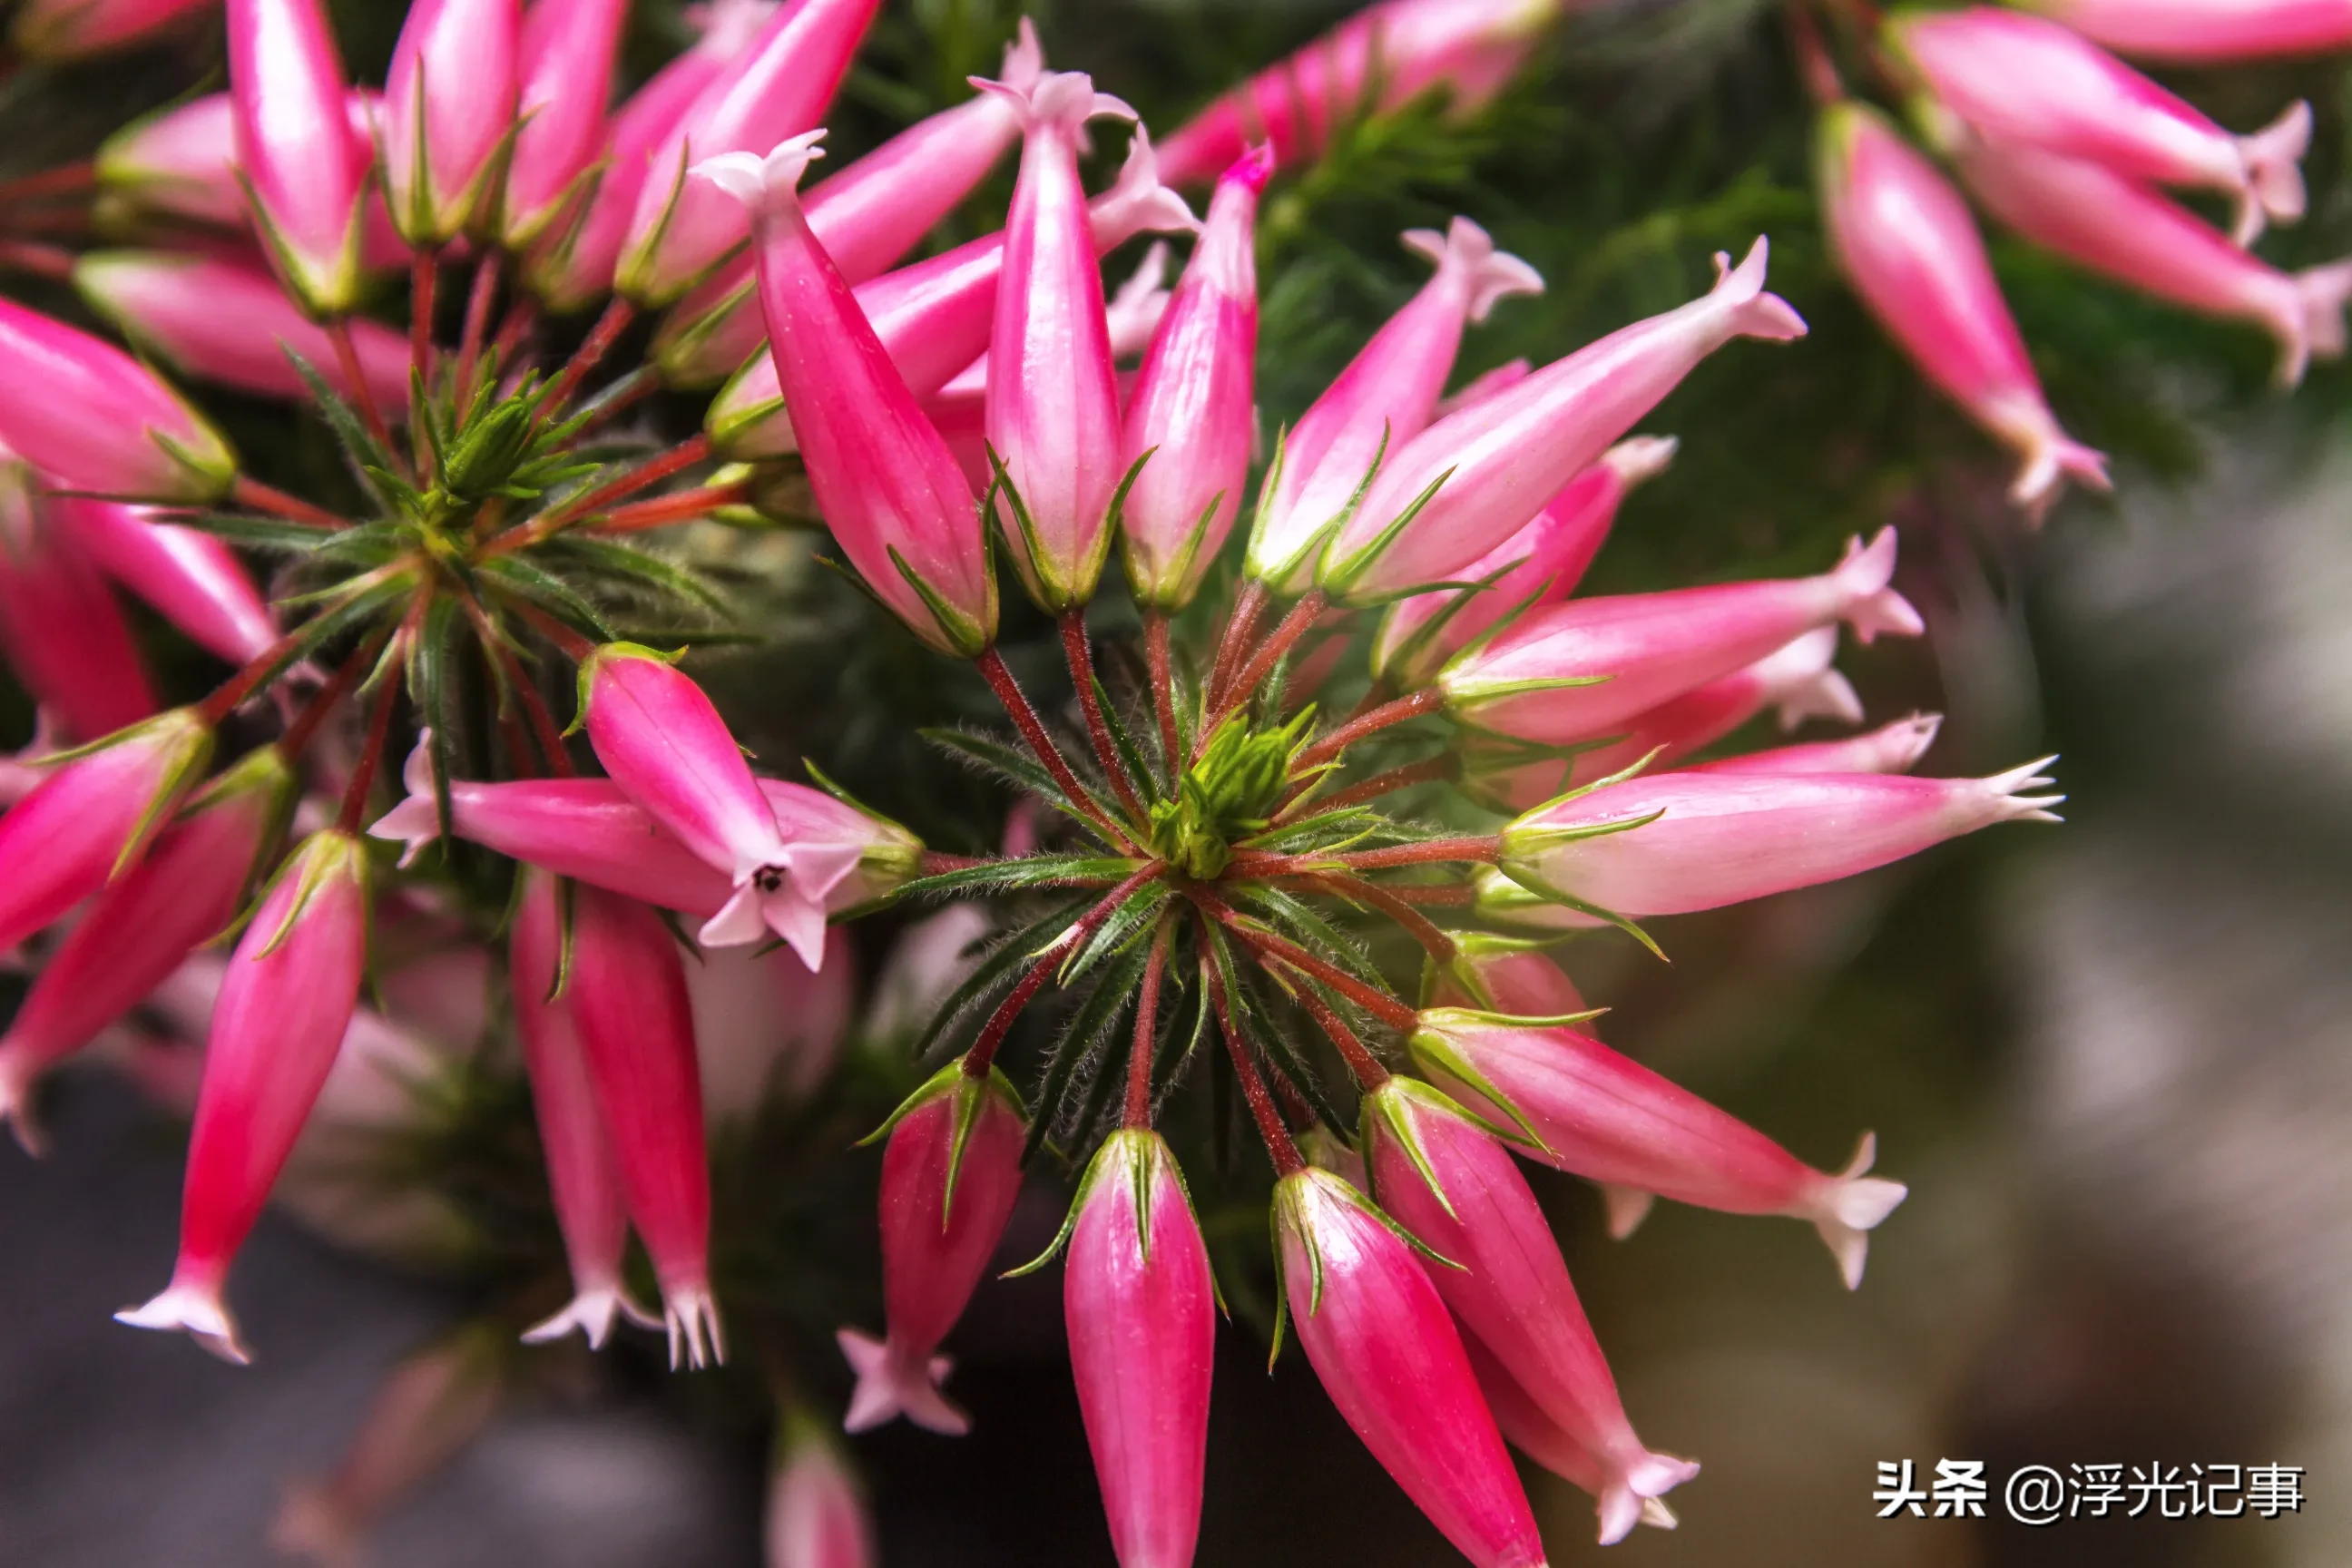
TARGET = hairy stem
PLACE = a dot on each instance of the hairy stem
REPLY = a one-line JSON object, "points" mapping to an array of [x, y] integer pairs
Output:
{"points": [[1239, 626], [1436, 851], [1428, 770], [423, 281], [1163, 689], [1280, 1145], [1403, 708], [346, 356], [1293, 626], [1024, 719], [355, 794], [65, 180], [1361, 1061], [298, 736], [1147, 1031], [248, 492], [592, 351], [1371, 998], [1434, 941], [1082, 675], [477, 320], [977, 1060], [550, 523], [40, 261], [661, 511]]}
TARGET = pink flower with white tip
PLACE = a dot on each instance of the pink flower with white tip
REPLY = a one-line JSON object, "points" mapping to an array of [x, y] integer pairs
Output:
{"points": [[1526, 1428], [1906, 244], [1894, 748], [2028, 83], [1590, 1110], [2206, 32]]}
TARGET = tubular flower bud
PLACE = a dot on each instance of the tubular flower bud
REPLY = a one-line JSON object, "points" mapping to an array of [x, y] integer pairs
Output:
{"points": [[1540, 564], [1379, 1340], [1380, 402], [1668, 844], [285, 1001], [817, 1515], [448, 110], [99, 420], [591, 830], [666, 747], [1473, 479], [628, 1009], [867, 216], [1590, 1110], [1053, 404], [2027, 82], [1502, 378], [61, 635], [1510, 976], [1461, 1196], [778, 90], [222, 321], [141, 926], [950, 1173], [583, 1172], [190, 578], [2113, 225], [54, 31], [2207, 32], [1141, 1310], [305, 178], [1469, 48], [1907, 245], [1581, 670], [93, 817], [932, 319], [572, 266], [180, 161], [1894, 748], [1526, 1426], [564, 54], [885, 482], [1192, 409]]}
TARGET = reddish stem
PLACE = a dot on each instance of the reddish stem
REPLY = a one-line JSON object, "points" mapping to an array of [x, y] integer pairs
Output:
{"points": [[990, 665], [66, 179], [1361, 1061], [423, 280], [1814, 66], [544, 728], [976, 1061], [1235, 642], [1436, 851], [363, 394], [231, 693], [1434, 941], [1426, 772], [1163, 688], [934, 863], [1397, 712], [355, 794], [548, 524], [576, 646], [522, 314], [592, 349], [1371, 999], [1279, 1146], [251, 492], [1082, 675], [1294, 625], [41, 260], [298, 736], [1147, 1030], [477, 319], [663, 510]]}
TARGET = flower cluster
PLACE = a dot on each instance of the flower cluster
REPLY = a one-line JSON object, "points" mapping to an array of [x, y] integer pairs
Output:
{"points": [[1223, 848]]}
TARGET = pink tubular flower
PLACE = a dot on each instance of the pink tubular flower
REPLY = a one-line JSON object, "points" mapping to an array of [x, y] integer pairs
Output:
{"points": [[222, 321], [1540, 564], [1578, 670], [1461, 1196], [571, 268], [190, 578], [1053, 403], [144, 924], [1192, 410], [666, 747], [285, 1001], [1511, 975], [867, 216], [2207, 32], [563, 74], [1907, 242], [583, 1173], [179, 161], [1894, 748], [1667, 844], [2031, 83], [1469, 48], [93, 819], [950, 1173], [55, 31], [1381, 401], [1598, 1114], [2113, 225], [779, 89], [1526, 1426], [61, 635], [99, 420], [933, 319], [1142, 1310], [448, 108], [305, 176], [885, 482], [817, 1515], [627, 1006], [1378, 1338], [1473, 479], [589, 829]]}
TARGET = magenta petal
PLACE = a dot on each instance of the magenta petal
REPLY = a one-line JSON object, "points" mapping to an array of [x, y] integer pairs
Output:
{"points": [[192, 579], [448, 106], [564, 74], [80, 409], [306, 175], [61, 634]]}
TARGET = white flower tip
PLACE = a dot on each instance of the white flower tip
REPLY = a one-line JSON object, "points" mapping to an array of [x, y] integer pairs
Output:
{"points": [[1874, 609], [1137, 203], [1064, 99], [1657, 1515], [1625, 1499], [1748, 311], [2274, 160], [2315, 330], [1849, 1206], [2004, 793], [764, 184], [1637, 458], [195, 1312], [888, 1386], [1907, 739], [1627, 1208], [740, 922], [692, 1319], [1466, 253], [1825, 695], [591, 1312], [2052, 458], [1025, 58], [16, 1110]]}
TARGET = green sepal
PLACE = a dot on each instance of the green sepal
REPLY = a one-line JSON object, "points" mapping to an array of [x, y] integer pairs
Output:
{"points": [[958, 632], [319, 857], [1339, 580], [178, 776], [1434, 1052], [586, 675], [970, 1096]]}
